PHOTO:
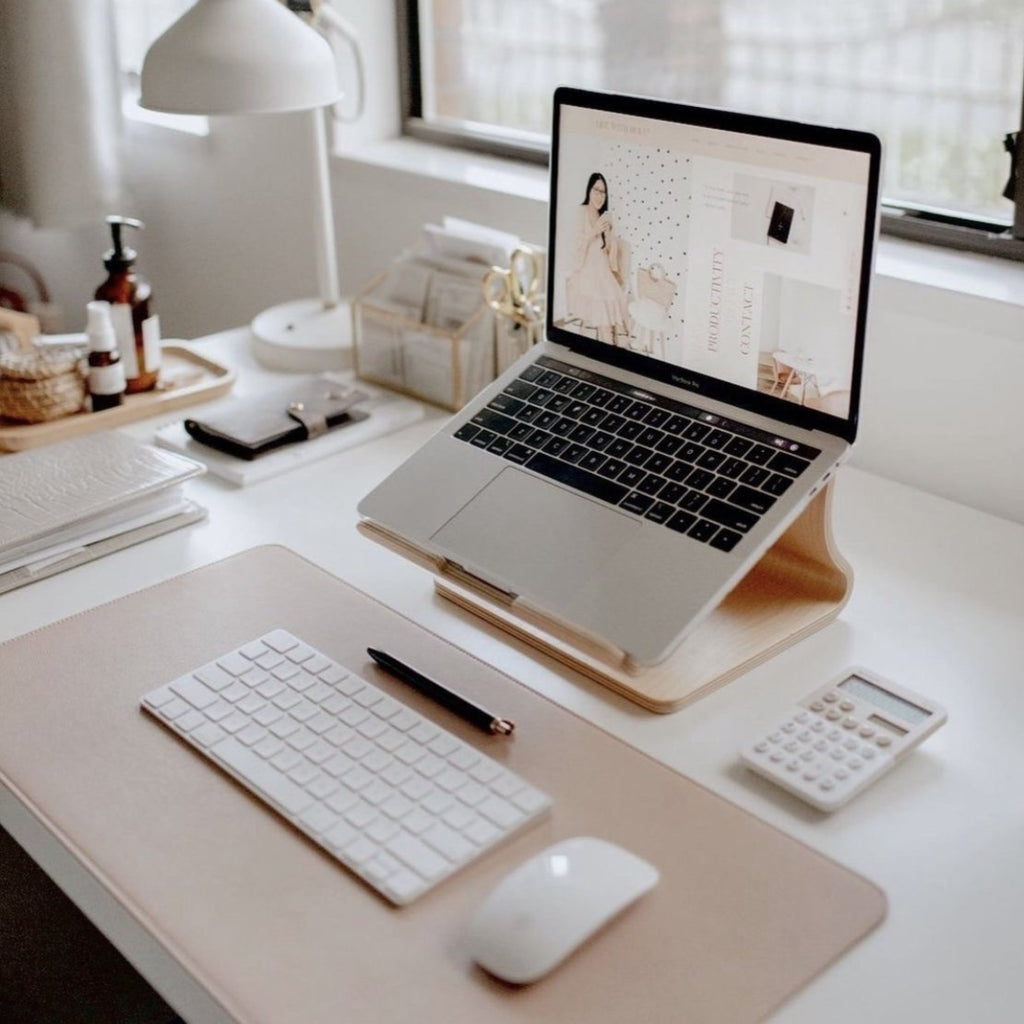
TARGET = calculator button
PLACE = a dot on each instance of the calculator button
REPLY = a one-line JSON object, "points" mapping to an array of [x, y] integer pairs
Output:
{"points": [[835, 735], [792, 766], [855, 763], [763, 746], [801, 716], [804, 737], [841, 774], [850, 744], [837, 755], [789, 727], [791, 746], [867, 753], [830, 698], [821, 746], [832, 715], [818, 726], [817, 706], [776, 756], [811, 774], [807, 755], [827, 784], [883, 741], [775, 737], [866, 731], [849, 723], [846, 705]]}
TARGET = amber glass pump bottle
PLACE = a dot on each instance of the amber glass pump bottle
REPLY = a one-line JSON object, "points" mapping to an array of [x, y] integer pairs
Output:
{"points": [[137, 329]]}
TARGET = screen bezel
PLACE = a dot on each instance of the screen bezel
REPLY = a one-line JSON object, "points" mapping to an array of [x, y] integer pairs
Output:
{"points": [[750, 124]]}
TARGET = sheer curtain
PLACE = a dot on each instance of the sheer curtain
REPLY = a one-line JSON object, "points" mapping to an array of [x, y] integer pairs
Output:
{"points": [[60, 118]]}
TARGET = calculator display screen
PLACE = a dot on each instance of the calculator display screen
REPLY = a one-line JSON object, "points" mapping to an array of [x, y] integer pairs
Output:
{"points": [[884, 700]]}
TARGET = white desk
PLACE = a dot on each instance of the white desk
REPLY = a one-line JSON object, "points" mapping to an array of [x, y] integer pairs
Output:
{"points": [[938, 603]]}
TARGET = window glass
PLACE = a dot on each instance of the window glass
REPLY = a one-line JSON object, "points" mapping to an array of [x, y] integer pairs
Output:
{"points": [[939, 80]]}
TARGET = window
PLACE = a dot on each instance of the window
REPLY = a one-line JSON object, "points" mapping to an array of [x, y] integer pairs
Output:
{"points": [[941, 82]]}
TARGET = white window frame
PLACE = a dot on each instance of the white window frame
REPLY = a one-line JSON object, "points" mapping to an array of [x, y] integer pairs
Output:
{"points": [[903, 220]]}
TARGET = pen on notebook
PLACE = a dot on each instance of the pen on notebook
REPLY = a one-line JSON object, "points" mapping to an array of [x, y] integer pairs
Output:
{"points": [[465, 709]]}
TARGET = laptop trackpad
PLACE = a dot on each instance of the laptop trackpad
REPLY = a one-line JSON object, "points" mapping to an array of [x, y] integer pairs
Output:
{"points": [[534, 537]]}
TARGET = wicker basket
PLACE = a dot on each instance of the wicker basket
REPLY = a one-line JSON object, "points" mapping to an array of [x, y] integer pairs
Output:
{"points": [[37, 386]]}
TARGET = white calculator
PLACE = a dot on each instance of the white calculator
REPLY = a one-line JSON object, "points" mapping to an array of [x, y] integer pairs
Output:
{"points": [[837, 741]]}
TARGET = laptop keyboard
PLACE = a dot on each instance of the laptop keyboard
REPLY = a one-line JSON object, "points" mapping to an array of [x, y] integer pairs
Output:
{"points": [[697, 473]]}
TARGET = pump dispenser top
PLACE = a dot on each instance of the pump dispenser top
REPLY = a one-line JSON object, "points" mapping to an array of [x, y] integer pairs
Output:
{"points": [[120, 257]]}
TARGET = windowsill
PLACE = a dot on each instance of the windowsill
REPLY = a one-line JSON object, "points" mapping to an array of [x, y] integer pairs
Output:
{"points": [[899, 261]]}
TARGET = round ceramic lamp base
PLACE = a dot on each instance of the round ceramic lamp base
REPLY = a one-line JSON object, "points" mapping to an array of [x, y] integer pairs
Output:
{"points": [[302, 336]]}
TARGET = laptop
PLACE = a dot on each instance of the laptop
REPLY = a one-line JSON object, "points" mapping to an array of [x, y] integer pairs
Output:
{"points": [[698, 381]]}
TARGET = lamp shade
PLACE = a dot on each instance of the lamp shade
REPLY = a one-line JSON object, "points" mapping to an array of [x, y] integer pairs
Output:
{"points": [[238, 57]]}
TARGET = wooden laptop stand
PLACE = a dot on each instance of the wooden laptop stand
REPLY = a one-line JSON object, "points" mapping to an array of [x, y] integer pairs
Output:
{"points": [[798, 586]]}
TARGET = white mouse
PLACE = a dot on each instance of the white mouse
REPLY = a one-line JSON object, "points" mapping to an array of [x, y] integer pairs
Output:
{"points": [[545, 908]]}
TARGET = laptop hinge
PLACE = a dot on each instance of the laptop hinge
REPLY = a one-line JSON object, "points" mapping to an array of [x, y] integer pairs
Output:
{"points": [[469, 579]]}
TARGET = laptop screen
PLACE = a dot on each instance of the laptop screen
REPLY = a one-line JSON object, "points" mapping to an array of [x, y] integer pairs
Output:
{"points": [[729, 254]]}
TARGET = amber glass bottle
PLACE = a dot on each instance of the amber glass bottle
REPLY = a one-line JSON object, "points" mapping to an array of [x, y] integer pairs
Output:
{"points": [[106, 376], [129, 295]]}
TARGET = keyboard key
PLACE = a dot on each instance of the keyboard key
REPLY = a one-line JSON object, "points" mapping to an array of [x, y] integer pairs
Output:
{"points": [[414, 853], [738, 446], [759, 454], [611, 468], [787, 465], [198, 694], [636, 502], [659, 512], [717, 439], [776, 484], [753, 501], [482, 438], [638, 455], [724, 514], [692, 500], [505, 403], [467, 432], [631, 476], [725, 540], [702, 530], [652, 484], [681, 521], [721, 487]]}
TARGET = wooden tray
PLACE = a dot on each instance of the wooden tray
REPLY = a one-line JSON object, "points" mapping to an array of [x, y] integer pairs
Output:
{"points": [[214, 379]]}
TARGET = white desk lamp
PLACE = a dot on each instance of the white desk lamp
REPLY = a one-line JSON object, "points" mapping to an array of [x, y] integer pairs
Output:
{"points": [[256, 57]]}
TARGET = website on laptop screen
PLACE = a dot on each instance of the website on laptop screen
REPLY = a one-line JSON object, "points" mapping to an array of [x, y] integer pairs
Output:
{"points": [[733, 255]]}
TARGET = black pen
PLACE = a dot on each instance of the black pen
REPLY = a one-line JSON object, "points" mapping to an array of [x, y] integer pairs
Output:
{"points": [[446, 698]]}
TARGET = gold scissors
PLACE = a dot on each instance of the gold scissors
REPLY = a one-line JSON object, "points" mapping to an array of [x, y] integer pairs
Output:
{"points": [[515, 292]]}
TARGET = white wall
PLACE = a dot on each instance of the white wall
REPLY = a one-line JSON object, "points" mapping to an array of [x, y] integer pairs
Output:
{"points": [[228, 234]]}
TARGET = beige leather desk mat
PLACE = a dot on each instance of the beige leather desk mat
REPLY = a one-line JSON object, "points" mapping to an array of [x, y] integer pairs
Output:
{"points": [[277, 932]]}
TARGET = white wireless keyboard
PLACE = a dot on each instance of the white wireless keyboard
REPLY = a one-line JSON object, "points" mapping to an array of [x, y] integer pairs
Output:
{"points": [[399, 801]]}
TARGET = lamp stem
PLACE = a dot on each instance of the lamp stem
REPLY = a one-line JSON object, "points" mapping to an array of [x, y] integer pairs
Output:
{"points": [[326, 253]]}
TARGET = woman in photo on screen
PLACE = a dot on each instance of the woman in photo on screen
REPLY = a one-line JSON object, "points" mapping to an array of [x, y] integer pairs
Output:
{"points": [[594, 287]]}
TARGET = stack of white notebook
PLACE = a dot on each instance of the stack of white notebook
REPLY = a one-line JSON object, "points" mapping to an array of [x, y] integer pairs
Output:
{"points": [[70, 502]]}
